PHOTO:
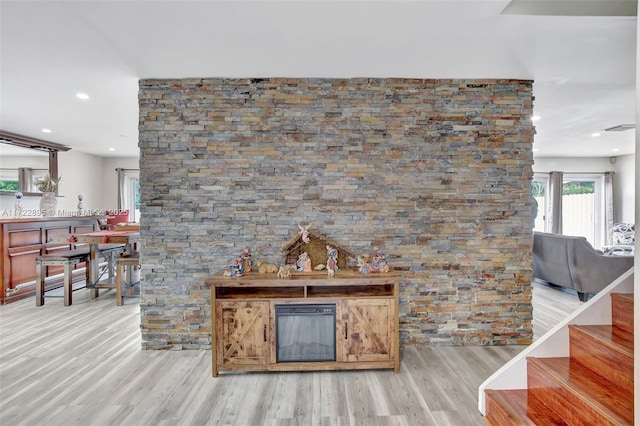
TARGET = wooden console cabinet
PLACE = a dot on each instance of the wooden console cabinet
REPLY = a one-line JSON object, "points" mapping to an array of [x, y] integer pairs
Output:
{"points": [[22, 240], [244, 320]]}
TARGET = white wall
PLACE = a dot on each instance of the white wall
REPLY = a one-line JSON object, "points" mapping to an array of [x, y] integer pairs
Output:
{"points": [[626, 188], [623, 183], [572, 164], [636, 298], [80, 175], [110, 177], [33, 161]]}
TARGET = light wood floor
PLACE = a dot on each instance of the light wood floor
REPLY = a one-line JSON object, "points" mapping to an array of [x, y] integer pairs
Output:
{"points": [[82, 365]]}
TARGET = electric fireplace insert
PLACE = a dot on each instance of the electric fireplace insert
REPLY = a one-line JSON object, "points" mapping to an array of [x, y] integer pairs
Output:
{"points": [[306, 333]]}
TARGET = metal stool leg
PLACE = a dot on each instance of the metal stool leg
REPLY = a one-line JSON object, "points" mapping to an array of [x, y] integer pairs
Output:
{"points": [[40, 274], [119, 280], [68, 284]]}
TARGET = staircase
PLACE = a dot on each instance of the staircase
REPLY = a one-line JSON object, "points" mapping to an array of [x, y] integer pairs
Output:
{"points": [[593, 386]]}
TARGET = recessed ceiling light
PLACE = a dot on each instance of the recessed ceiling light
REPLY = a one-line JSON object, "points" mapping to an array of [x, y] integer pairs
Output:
{"points": [[46, 130], [615, 149], [595, 135], [535, 118], [112, 149], [534, 149], [82, 96]]}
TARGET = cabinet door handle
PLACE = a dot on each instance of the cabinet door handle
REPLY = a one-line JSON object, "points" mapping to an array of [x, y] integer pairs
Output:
{"points": [[346, 330], [264, 332]]}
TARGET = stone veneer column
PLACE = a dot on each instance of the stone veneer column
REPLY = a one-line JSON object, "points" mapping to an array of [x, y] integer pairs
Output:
{"points": [[435, 172]]}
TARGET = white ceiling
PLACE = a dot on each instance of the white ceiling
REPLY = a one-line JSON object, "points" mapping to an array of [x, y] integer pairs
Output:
{"points": [[583, 66]]}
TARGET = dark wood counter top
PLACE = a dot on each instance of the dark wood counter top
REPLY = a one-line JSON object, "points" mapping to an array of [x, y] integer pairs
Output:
{"points": [[27, 219]]}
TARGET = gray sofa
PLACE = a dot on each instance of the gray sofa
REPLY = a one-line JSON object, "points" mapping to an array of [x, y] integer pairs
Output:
{"points": [[573, 263]]}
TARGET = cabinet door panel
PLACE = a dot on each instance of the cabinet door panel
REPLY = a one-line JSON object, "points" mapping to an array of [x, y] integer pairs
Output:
{"points": [[242, 332], [55, 231], [22, 266], [366, 330], [83, 229], [24, 237]]}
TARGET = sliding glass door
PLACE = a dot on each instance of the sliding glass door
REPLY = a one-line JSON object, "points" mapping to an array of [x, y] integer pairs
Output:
{"points": [[582, 205]]}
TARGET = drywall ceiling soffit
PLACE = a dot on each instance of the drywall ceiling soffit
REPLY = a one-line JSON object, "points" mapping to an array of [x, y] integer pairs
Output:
{"points": [[572, 7]]}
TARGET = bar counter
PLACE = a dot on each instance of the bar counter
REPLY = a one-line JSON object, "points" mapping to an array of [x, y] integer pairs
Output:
{"points": [[23, 239]]}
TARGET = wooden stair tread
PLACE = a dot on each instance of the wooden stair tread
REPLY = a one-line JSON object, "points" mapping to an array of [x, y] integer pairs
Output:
{"points": [[616, 338], [622, 311], [598, 393], [623, 296], [518, 409], [606, 350]]}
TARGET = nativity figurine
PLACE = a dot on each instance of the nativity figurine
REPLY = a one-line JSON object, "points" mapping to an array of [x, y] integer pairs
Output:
{"points": [[332, 260], [245, 255], [378, 262], [303, 264], [236, 269], [304, 233]]}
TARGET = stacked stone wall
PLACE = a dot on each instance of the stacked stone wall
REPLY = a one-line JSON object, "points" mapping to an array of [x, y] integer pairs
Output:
{"points": [[436, 173]]}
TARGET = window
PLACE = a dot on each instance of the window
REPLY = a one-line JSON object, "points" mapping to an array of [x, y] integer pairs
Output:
{"points": [[583, 207], [132, 197], [129, 192], [22, 179], [9, 180], [539, 191]]}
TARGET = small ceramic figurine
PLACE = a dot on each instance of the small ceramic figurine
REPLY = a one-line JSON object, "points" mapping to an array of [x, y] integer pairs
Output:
{"points": [[332, 260], [265, 268], [363, 264], [245, 255], [378, 262], [284, 271], [303, 264], [236, 269], [304, 233], [18, 206]]}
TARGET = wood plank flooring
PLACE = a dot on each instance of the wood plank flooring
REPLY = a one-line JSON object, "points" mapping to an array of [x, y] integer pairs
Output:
{"points": [[82, 365]]}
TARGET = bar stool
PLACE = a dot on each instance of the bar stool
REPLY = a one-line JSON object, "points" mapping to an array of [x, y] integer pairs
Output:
{"points": [[125, 275], [68, 259]]}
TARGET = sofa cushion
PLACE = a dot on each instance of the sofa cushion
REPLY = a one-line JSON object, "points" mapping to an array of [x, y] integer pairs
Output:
{"points": [[618, 250], [623, 240]]}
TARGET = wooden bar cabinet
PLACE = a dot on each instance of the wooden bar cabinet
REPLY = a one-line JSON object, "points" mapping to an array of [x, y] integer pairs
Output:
{"points": [[22, 240]]}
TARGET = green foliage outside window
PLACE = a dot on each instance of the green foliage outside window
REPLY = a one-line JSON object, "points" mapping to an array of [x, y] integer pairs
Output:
{"points": [[9, 185], [537, 188], [578, 187], [568, 188]]}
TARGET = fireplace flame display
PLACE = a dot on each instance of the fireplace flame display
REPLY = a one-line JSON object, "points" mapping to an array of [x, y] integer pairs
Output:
{"points": [[305, 333]]}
